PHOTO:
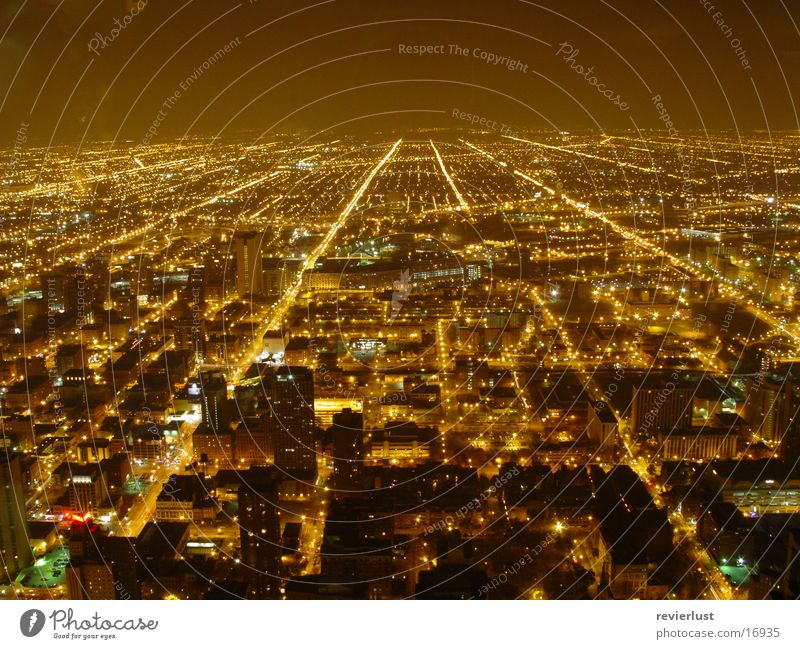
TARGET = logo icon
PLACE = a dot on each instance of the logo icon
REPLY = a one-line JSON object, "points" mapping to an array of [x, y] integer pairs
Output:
{"points": [[31, 622]]}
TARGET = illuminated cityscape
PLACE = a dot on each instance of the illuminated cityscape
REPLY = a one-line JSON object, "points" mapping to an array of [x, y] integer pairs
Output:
{"points": [[449, 364], [337, 300]]}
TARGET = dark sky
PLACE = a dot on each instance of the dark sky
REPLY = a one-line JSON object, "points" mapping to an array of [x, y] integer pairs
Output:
{"points": [[322, 67]]}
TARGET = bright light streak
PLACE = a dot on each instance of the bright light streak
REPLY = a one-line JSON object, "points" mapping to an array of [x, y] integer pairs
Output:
{"points": [[459, 197]]}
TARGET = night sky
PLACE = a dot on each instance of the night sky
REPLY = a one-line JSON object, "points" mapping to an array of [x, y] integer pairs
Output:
{"points": [[337, 65]]}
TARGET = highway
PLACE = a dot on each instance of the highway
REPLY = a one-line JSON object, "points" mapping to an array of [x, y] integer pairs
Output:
{"points": [[276, 314], [717, 582]]}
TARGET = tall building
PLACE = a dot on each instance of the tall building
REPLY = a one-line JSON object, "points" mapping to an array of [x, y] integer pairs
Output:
{"points": [[347, 436], [101, 567], [107, 573], [190, 334], [259, 529], [603, 430], [252, 441], [290, 391], [770, 408], [658, 408], [249, 277], [86, 488], [15, 551], [274, 276], [789, 445], [214, 401]]}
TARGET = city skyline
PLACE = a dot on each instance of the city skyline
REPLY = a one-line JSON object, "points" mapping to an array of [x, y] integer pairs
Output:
{"points": [[396, 301], [489, 306]]}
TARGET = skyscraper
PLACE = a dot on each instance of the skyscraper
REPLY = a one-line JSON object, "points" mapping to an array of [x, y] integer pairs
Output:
{"points": [[214, 401], [347, 434], [259, 530], [107, 570], [290, 391], [661, 407], [15, 551], [249, 279], [770, 407]]}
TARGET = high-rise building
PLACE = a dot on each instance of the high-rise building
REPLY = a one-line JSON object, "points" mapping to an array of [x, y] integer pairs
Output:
{"points": [[86, 488], [108, 571], [217, 278], [259, 529], [249, 277], [603, 430], [214, 401], [101, 567], [15, 551], [790, 444], [347, 436], [770, 408], [290, 391], [253, 441], [190, 334], [274, 276], [658, 407]]}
